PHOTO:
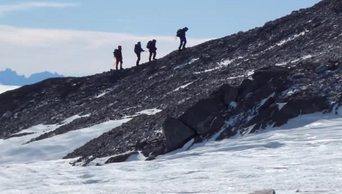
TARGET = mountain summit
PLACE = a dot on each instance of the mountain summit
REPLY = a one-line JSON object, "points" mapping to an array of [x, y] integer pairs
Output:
{"points": [[230, 86]]}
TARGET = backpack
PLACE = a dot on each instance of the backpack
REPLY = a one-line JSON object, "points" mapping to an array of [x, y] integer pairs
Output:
{"points": [[179, 32], [149, 44], [116, 53], [136, 48]]}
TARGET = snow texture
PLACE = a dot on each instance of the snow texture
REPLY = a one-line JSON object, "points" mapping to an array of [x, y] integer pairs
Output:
{"points": [[17, 150], [303, 156]]}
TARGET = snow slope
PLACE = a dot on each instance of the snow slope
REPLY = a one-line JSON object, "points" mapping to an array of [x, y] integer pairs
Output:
{"points": [[19, 150], [4, 88], [302, 157]]}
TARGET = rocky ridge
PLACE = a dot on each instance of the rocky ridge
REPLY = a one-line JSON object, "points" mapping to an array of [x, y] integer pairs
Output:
{"points": [[238, 84]]}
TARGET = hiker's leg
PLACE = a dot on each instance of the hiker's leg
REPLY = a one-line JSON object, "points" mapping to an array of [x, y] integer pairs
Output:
{"points": [[150, 57], [180, 45], [154, 55], [184, 43], [138, 60]]}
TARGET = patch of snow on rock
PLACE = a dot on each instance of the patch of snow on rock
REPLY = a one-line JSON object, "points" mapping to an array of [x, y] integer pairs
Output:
{"points": [[207, 70], [102, 94], [152, 111], [249, 73], [292, 38], [302, 58], [281, 105], [281, 64], [185, 64], [227, 62], [183, 86]]}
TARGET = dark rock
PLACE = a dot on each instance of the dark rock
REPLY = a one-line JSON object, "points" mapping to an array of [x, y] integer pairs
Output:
{"points": [[266, 191], [121, 157], [246, 87], [151, 157], [264, 116], [337, 7], [321, 68], [228, 94], [298, 106], [204, 116], [262, 76], [19, 135], [298, 76], [7, 115], [176, 133]]}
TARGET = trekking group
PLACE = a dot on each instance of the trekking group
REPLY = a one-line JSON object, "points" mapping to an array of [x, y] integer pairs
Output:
{"points": [[152, 49]]}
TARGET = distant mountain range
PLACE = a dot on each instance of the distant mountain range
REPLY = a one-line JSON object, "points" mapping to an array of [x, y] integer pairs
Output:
{"points": [[11, 77]]}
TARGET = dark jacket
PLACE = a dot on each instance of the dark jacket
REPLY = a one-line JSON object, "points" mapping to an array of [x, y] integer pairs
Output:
{"points": [[181, 33], [138, 49], [117, 54], [151, 45]]}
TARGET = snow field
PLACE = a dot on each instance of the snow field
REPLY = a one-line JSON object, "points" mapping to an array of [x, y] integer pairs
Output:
{"points": [[302, 157]]}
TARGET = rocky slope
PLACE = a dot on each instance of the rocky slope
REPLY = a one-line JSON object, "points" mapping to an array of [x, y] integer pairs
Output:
{"points": [[238, 84]]}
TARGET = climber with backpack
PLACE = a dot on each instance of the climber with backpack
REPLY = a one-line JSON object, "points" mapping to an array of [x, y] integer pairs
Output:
{"points": [[181, 33], [118, 57], [138, 50], [151, 46]]}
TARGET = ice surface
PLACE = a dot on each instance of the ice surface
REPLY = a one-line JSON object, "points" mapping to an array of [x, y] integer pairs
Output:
{"points": [[304, 156]]}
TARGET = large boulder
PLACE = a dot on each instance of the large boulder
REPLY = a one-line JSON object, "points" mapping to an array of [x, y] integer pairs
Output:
{"points": [[204, 117], [176, 133], [262, 76], [300, 105], [227, 93], [246, 87], [266, 191]]}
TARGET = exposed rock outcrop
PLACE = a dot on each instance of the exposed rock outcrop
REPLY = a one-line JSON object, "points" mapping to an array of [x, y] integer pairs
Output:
{"points": [[266, 191]]}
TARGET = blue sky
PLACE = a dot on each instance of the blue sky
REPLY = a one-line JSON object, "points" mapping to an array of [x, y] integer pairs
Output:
{"points": [[137, 19]]}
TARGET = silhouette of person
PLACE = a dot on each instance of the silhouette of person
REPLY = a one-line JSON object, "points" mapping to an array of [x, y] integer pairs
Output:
{"points": [[151, 45], [138, 50], [118, 57], [181, 33]]}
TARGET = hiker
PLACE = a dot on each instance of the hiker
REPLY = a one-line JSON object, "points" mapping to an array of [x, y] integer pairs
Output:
{"points": [[138, 50], [151, 45], [181, 34], [118, 56]]}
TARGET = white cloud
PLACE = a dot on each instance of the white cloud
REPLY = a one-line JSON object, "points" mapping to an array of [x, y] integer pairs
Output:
{"points": [[7, 8], [72, 52]]}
